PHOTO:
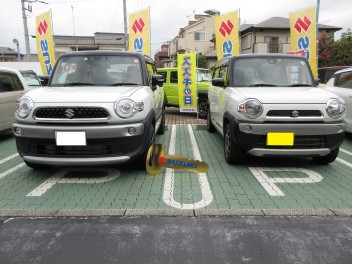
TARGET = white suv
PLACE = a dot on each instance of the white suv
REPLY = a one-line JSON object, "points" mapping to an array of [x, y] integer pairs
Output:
{"points": [[269, 105], [100, 107]]}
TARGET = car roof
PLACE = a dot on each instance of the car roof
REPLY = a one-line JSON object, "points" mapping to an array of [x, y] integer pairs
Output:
{"points": [[106, 52], [11, 70], [343, 70]]}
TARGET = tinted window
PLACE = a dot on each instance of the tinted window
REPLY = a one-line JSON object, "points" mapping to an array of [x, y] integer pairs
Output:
{"points": [[173, 77], [7, 83], [345, 80], [163, 74]]}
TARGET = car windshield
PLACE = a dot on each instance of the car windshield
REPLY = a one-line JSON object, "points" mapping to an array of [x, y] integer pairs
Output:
{"points": [[203, 75], [97, 70], [31, 79], [271, 71]]}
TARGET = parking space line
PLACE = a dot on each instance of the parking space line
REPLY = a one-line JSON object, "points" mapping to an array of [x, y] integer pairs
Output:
{"points": [[4, 174], [207, 196], [346, 152], [344, 162], [8, 158]]}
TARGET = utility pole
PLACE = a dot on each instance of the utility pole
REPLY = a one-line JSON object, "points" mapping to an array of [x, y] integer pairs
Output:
{"points": [[26, 37], [125, 24]]}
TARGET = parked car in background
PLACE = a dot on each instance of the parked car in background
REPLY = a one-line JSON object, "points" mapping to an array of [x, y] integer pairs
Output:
{"points": [[171, 88], [269, 105], [341, 85], [12, 86], [31, 78], [44, 79], [325, 73], [91, 114]]}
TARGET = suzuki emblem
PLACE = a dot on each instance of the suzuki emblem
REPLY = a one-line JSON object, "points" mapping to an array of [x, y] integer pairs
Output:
{"points": [[69, 113]]}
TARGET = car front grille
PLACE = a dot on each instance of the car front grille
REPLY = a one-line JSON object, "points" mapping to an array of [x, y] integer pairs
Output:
{"points": [[300, 142], [93, 148], [70, 113], [294, 113]]}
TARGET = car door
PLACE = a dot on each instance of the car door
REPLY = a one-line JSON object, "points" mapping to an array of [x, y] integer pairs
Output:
{"points": [[10, 90]]}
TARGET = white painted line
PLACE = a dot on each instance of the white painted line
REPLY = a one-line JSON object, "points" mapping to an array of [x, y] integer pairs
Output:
{"points": [[8, 158], [344, 162], [59, 177], [168, 195], [4, 174], [269, 183], [346, 151]]}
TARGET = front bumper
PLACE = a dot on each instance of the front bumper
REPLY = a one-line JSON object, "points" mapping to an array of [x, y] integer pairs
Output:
{"points": [[310, 140], [106, 144]]}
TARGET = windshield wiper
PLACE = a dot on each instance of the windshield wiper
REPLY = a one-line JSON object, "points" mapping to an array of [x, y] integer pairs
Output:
{"points": [[121, 84], [299, 84], [262, 85], [77, 83]]}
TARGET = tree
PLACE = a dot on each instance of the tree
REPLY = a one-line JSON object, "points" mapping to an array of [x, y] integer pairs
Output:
{"points": [[202, 61], [341, 50], [324, 45]]}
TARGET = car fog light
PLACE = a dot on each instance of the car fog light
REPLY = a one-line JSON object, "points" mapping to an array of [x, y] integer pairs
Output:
{"points": [[18, 131], [339, 129], [132, 130], [247, 128]]}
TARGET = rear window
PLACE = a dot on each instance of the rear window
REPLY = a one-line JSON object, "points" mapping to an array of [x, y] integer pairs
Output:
{"points": [[9, 83]]}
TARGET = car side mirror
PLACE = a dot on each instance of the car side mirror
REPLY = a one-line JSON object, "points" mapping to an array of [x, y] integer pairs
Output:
{"points": [[218, 82], [157, 80], [316, 82]]}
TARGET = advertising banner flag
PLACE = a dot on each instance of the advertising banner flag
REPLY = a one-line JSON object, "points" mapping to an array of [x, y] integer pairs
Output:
{"points": [[139, 32], [226, 34], [187, 82], [303, 29], [45, 42]]}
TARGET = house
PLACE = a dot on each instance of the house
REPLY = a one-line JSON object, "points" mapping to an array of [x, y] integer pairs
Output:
{"points": [[269, 36], [162, 57], [8, 54], [100, 41]]}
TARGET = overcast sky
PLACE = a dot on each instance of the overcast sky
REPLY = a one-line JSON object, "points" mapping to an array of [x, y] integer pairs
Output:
{"points": [[167, 16]]}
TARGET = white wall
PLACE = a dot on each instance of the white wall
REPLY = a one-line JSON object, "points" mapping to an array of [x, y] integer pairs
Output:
{"points": [[35, 66]]}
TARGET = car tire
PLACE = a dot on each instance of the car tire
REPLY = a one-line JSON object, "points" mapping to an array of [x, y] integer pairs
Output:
{"points": [[233, 153], [202, 108], [143, 158], [210, 126], [161, 129], [324, 160]]}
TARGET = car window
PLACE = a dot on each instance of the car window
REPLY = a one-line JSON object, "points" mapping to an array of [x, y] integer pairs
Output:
{"points": [[7, 83], [345, 80], [203, 75], [97, 70], [173, 77], [31, 79], [163, 74], [268, 71]]}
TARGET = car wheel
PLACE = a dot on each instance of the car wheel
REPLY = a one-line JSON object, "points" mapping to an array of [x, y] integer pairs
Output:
{"points": [[210, 126], [202, 108], [233, 153], [328, 158], [143, 158], [162, 125]]}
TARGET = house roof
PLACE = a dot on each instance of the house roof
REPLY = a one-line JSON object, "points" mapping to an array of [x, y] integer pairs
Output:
{"points": [[99, 38], [282, 23], [7, 51]]}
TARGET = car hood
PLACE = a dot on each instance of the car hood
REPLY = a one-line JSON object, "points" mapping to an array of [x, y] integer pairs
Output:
{"points": [[287, 95], [83, 94]]}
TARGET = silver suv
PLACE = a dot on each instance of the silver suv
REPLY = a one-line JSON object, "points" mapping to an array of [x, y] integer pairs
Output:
{"points": [[269, 105], [100, 107]]}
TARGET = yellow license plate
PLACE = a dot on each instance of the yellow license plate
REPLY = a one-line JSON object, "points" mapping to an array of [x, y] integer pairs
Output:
{"points": [[280, 139]]}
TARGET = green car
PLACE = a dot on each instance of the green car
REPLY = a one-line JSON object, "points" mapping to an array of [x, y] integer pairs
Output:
{"points": [[171, 88]]}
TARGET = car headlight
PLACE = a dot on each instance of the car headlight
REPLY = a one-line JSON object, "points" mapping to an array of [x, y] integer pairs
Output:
{"points": [[251, 108], [335, 108], [126, 107], [24, 106]]}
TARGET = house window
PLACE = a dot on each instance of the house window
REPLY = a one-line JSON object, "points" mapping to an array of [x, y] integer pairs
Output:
{"points": [[199, 36], [246, 42], [273, 44]]}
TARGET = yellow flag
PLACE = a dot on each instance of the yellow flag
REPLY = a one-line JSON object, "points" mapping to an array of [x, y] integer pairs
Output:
{"points": [[226, 34], [45, 42], [303, 29], [187, 82], [139, 32]]}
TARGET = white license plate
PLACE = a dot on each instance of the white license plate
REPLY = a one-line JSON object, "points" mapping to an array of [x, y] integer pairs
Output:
{"points": [[71, 138]]}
